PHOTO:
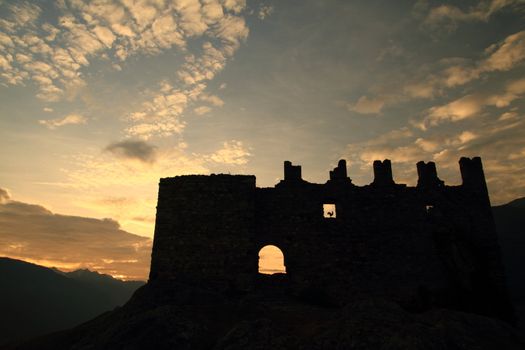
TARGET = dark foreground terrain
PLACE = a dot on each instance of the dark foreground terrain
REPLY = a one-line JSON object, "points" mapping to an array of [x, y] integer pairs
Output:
{"points": [[35, 300], [182, 317]]}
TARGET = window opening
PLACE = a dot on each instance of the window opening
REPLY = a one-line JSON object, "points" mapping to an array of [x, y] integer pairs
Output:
{"points": [[329, 211]]}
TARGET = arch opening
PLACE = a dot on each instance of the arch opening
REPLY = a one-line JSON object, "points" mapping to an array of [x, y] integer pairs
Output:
{"points": [[271, 260]]}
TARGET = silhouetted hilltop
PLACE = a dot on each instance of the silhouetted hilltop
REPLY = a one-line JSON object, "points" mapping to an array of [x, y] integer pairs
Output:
{"points": [[36, 300], [178, 316], [510, 223]]}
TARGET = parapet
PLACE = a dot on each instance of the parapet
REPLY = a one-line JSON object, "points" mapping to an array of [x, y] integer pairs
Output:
{"points": [[471, 173]]}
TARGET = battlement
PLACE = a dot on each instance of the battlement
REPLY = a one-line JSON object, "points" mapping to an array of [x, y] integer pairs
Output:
{"points": [[340, 173], [292, 172], [471, 172], [423, 246], [427, 175], [383, 173]]}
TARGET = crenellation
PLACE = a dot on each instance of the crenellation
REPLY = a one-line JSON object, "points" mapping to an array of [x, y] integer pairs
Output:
{"points": [[383, 173], [292, 173], [384, 240], [427, 175], [340, 173]]}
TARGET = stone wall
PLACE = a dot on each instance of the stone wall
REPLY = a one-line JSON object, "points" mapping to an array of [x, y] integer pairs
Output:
{"points": [[203, 229], [423, 246]]}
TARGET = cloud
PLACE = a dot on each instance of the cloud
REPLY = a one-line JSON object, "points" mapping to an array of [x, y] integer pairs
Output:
{"points": [[234, 5], [365, 105], [465, 107], [265, 11], [502, 56], [433, 80], [55, 53], [24, 13], [33, 233], [161, 114], [4, 196], [472, 105], [505, 55], [212, 99], [134, 149], [448, 16], [232, 152], [70, 119], [202, 110]]}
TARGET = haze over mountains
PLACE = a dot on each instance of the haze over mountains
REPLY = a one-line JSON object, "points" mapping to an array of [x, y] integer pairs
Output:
{"points": [[35, 300]]}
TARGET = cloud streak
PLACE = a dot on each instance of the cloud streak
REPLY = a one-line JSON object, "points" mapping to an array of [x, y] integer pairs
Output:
{"points": [[434, 80], [448, 16], [472, 105], [70, 119], [133, 149]]}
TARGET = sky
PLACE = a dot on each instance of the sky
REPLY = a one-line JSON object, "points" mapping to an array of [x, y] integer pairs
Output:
{"points": [[100, 99]]}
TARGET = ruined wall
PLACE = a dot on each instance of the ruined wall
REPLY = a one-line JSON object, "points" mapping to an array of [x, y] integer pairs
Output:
{"points": [[423, 246], [203, 229]]}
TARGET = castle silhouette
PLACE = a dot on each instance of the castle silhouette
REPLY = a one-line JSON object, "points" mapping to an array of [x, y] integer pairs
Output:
{"points": [[426, 246]]}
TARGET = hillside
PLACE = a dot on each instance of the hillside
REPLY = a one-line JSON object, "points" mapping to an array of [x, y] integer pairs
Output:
{"points": [[36, 300], [178, 316], [510, 223]]}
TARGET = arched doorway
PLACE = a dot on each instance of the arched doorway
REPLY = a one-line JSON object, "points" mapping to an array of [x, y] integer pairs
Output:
{"points": [[271, 260]]}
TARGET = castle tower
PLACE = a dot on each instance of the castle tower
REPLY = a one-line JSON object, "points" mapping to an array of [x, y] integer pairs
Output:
{"points": [[473, 176]]}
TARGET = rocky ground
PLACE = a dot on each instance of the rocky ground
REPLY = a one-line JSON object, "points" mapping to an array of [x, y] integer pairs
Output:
{"points": [[183, 317]]}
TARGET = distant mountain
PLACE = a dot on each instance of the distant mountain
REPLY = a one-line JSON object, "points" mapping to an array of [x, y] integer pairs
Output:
{"points": [[510, 223], [35, 300], [118, 291]]}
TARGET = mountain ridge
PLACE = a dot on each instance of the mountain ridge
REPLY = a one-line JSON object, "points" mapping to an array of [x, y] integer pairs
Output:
{"points": [[35, 300]]}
